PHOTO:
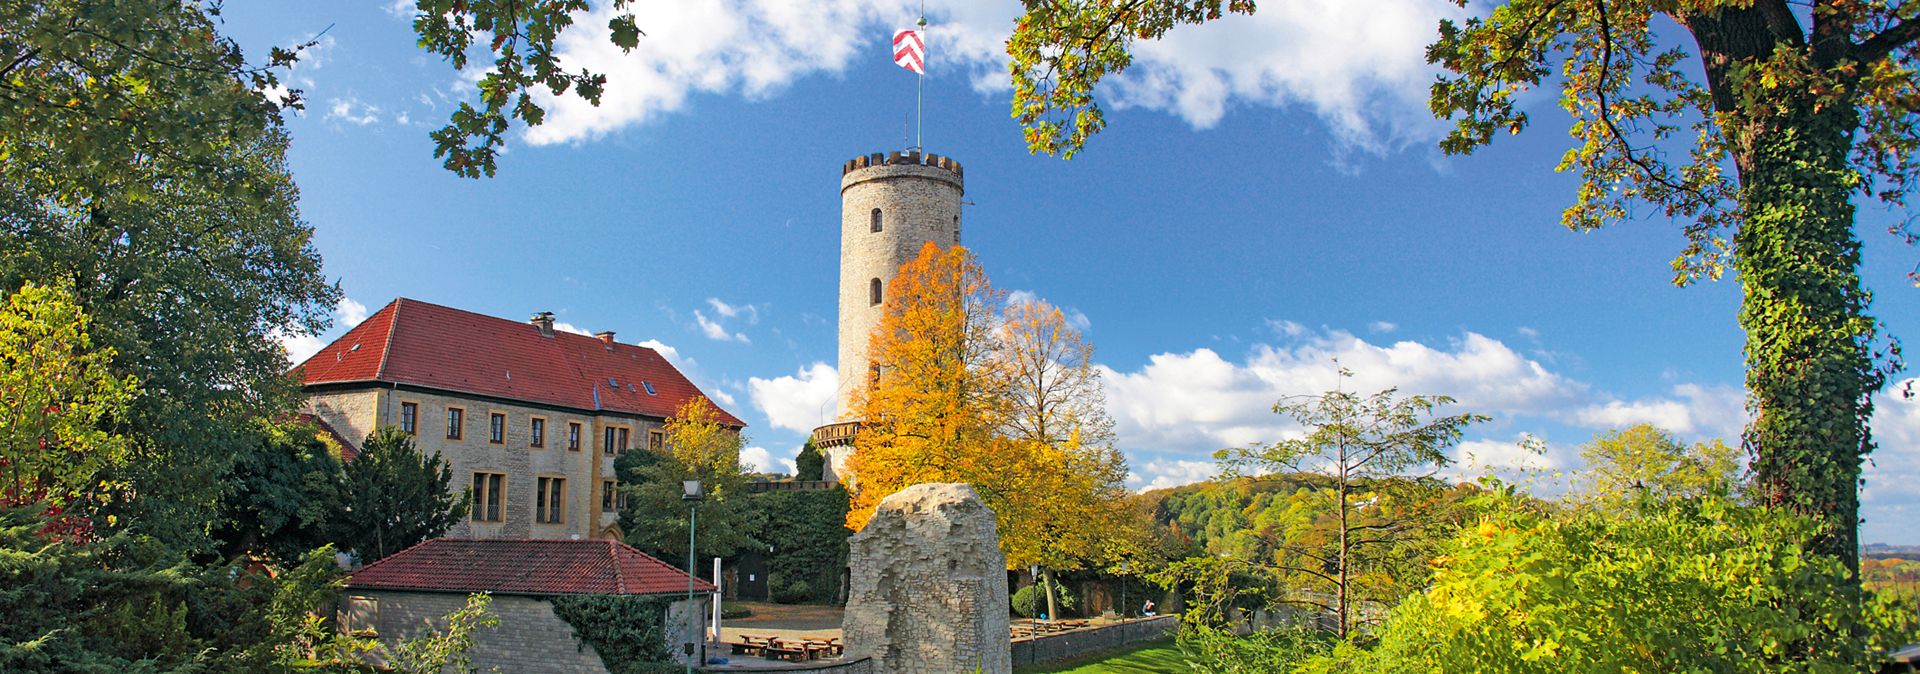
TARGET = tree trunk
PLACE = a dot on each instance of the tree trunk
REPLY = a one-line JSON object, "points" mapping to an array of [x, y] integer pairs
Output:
{"points": [[1810, 369], [1341, 601], [1053, 606]]}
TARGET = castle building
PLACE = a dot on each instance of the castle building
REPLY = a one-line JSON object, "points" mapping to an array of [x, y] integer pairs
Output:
{"points": [[890, 206], [530, 418]]}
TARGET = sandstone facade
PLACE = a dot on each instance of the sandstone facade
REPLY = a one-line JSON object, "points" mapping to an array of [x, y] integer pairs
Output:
{"points": [[586, 470], [915, 199], [929, 585]]}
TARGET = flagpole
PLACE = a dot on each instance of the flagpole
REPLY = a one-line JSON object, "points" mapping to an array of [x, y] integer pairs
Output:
{"points": [[919, 85]]}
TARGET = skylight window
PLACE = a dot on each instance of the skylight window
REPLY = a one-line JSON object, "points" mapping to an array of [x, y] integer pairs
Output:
{"points": [[649, 386]]}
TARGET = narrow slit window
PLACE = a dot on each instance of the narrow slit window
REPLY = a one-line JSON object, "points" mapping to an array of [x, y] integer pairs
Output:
{"points": [[873, 291], [876, 220]]}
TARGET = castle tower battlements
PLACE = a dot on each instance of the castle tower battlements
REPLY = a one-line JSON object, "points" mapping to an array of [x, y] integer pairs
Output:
{"points": [[891, 204]]}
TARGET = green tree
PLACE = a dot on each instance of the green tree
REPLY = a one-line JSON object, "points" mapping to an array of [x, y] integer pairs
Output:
{"points": [[1799, 111], [806, 536], [1697, 584], [810, 463], [698, 447], [519, 36], [141, 167], [1358, 443], [394, 497], [57, 397], [1628, 466], [285, 496]]}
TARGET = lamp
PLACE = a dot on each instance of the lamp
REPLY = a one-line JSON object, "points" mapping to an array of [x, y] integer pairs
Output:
{"points": [[692, 492]]}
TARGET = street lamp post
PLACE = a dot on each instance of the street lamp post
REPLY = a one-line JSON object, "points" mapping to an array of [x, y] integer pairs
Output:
{"points": [[691, 493]]}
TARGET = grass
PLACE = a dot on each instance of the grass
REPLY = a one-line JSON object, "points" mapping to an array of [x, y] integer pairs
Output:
{"points": [[1153, 657]]}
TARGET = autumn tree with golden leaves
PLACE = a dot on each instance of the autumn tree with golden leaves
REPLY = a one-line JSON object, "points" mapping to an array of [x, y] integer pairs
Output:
{"points": [[1003, 396]]}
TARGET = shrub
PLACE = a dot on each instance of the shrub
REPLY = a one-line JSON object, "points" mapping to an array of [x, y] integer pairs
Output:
{"points": [[1031, 601], [790, 592], [1690, 585]]}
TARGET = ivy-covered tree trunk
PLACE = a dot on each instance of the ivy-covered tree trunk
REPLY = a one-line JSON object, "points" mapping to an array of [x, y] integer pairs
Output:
{"points": [[1810, 370]]}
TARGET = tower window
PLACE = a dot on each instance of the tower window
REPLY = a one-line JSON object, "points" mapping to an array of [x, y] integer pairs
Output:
{"points": [[956, 229], [876, 220], [873, 290]]}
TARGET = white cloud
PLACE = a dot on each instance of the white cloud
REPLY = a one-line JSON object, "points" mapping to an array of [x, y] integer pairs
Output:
{"points": [[715, 331], [748, 311], [1381, 327], [1074, 317], [799, 402], [405, 9], [1521, 453], [1359, 66], [760, 460], [1164, 473], [671, 354], [346, 314], [1199, 401], [564, 326], [352, 111], [1691, 410], [1890, 500]]}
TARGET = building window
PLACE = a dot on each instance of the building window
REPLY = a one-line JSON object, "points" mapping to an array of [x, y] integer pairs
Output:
{"points": [[496, 428], [549, 502], [615, 441], [573, 435], [956, 229], [876, 220], [537, 432], [409, 413], [873, 291], [361, 617], [656, 441], [489, 491], [456, 422], [606, 496]]}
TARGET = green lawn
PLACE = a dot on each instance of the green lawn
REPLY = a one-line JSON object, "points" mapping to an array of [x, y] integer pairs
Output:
{"points": [[1153, 657]]}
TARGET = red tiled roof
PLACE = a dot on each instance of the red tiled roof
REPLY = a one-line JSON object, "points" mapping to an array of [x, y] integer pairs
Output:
{"points": [[519, 566], [348, 449], [428, 345]]}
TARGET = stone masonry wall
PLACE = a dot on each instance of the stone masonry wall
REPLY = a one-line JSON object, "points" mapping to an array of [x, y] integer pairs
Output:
{"points": [[929, 585], [356, 413], [918, 204], [530, 638]]}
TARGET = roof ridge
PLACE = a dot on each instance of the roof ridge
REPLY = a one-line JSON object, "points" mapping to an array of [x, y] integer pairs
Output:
{"points": [[619, 570], [386, 348]]}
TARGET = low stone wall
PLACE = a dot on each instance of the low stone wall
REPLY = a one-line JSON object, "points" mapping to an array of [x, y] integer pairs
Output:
{"points": [[1063, 645], [849, 666]]}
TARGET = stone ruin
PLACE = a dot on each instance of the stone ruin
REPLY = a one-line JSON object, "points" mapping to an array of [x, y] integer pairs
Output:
{"points": [[929, 585]]}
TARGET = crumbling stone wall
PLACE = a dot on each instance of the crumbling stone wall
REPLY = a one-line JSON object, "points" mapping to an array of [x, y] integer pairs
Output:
{"points": [[929, 585]]}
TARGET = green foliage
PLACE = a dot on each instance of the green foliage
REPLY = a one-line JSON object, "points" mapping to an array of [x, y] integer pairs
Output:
{"points": [[698, 447], [447, 650], [1031, 601], [57, 397], [395, 497], [140, 163], [807, 534], [286, 495], [628, 632], [1690, 585], [1344, 558], [1644, 462], [520, 38], [1061, 50], [126, 603], [810, 463], [1805, 113], [1213, 650]]}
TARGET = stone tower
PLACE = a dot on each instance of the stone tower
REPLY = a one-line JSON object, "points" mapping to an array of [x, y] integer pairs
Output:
{"points": [[890, 206]]}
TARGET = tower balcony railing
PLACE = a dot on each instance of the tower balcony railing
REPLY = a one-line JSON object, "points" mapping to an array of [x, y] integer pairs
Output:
{"points": [[836, 435]]}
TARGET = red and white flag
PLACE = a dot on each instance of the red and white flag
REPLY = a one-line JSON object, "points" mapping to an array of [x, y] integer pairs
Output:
{"points": [[909, 51]]}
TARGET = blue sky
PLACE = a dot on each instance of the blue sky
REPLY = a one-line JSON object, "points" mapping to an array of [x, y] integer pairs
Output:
{"points": [[1267, 197]]}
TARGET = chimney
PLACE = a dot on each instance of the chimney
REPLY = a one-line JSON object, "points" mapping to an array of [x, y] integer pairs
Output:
{"points": [[543, 321], [606, 336]]}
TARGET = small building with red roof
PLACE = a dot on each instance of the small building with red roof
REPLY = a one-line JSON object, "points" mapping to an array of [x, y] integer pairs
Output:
{"points": [[407, 593], [529, 417]]}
